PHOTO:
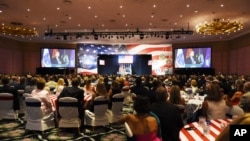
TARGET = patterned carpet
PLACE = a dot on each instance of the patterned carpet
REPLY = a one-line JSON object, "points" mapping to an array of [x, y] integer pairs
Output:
{"points": [[11, 130]]}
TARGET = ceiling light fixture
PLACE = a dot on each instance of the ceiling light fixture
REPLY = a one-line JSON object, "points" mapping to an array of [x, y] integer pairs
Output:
{"points": [[16, 29], [125, 34], [218, 26]]}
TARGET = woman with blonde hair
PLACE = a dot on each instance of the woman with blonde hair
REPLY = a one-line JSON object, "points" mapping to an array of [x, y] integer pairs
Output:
{"points": [[59, 87]]}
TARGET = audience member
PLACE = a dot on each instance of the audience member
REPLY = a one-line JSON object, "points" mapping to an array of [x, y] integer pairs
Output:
{"points": [[155, 84], [59, 87], [30, 86], [244, 102], [12, 90], [144, 126], [43, 94], [169, 115], [214, 105], [51, 83], [241, 120], [114, 89], [175, 96], [76, 92], [128, 96], [138, 88], [234, 109]]}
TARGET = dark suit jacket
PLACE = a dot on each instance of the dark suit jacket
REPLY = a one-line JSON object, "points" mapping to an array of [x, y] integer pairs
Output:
{"points": [[76, 93], [54, 61], [170, 120], [12, 90]]}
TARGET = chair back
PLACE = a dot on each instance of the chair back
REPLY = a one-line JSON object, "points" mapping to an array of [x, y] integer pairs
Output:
{"points": [[6, 101], [33, 108], [6, 108], [36, 119], [100, 106], [117, 104], [68, 108]]}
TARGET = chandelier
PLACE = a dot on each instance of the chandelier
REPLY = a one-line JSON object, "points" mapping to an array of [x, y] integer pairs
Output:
{"points": [[218, 26], [16, 29]]}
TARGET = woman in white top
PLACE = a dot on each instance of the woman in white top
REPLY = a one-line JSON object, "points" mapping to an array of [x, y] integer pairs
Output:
{"points": [[43, 94], [59, 87], [214, 106]]}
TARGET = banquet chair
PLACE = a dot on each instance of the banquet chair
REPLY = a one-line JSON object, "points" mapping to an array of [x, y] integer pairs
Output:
{"points": [[21, 101], [36, 119], [24, 105], [68, 111], [99, 116], [116, 110], [6, 107]]}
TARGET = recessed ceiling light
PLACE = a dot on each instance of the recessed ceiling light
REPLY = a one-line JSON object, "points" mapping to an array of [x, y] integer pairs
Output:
{"points": [[123, 15], [188, 5], [222, 5], [95, 16], [89, 7], [196, 11], [44, 18], [121, 6], [154, 6], [28, 10]]}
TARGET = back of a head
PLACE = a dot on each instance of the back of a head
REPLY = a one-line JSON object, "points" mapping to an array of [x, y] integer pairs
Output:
{"points": [[75, 82], [142, 105], [138, 81], [214, 92], [40, 84], [60, 81], [193, 83], [246, 86], [5, 80], [161, 94]]}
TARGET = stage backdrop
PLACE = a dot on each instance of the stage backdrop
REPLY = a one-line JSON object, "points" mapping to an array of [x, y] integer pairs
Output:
{"points": [[87, 55]]}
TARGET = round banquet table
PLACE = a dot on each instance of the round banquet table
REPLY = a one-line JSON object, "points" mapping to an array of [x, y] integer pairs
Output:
{"points": [[196, 134]]}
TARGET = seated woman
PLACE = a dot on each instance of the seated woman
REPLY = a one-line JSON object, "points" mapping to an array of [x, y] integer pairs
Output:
{"points": [[175, 96], [59, 87], [215, 106], [43, 94], [144, 126]]}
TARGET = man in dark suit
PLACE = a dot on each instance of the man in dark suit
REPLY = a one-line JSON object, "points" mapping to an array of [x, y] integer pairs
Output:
{"points": [[75, 92], [169, 115], [56, 59], [12, 90]]}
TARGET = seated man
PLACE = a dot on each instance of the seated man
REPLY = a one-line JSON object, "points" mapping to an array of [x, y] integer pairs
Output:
{"points": [[75, 92], [12, 90]]}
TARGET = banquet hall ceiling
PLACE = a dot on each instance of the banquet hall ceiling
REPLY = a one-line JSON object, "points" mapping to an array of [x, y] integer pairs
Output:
{"points": [[121, 16]]}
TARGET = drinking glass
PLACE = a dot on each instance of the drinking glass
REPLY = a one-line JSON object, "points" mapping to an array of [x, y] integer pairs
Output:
{"points": [[202, 121]]}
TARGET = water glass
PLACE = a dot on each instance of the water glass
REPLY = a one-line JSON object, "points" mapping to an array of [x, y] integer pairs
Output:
{"points": [[206, 129], [202, 121]]}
